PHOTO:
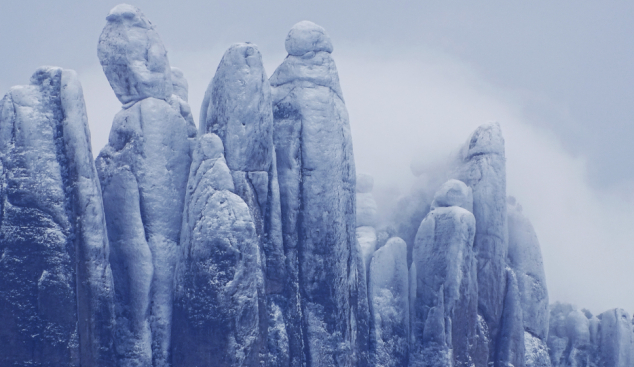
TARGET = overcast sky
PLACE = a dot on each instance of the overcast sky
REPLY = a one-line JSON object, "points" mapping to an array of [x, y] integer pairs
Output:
{"points": [[418, 78]]}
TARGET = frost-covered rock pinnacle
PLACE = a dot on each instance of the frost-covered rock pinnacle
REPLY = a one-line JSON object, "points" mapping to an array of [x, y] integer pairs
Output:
{"points": [[238, 108], [56, 292], [444, 325], [143, 172], [219, 282], [317, 187]]}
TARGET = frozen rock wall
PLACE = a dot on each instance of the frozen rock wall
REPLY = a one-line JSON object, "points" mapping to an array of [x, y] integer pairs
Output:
{"points": [[56, 292], [445, 318], [238, 108], [143, 173], [525, 258], [482, 166], [388, 292], [317, 187], [219, 281]]}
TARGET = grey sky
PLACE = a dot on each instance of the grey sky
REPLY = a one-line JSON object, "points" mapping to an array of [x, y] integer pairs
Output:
{"points": [[418, 77]]}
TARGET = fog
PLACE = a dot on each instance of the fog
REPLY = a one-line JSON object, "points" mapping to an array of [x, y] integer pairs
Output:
{"points": [[417, 80]]}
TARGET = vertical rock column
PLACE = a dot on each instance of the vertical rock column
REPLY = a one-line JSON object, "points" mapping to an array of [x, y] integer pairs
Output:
{"points": [[219, 282], [525, 258], [317, 187], [482, 167], [388, 290], [56, 292], [143, 172], [238, 108], [444, 324]]}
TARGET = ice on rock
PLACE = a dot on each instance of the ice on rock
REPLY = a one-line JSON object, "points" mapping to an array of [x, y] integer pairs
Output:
{"points": [[536, 351], [218, 308], [444, 328], [453, 193], [525, 258], [510, 346], [482, 166], [56, 292], [133, 56], [316, 171], [143, 172], [366, 205], [615, 338], [388, 293], [238, 108], [569, 338], [178, 100]]}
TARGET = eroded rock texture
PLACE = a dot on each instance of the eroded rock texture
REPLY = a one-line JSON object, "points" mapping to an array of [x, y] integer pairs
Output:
{"points": [[238, 108], [317, 187], [388, 292], [143, 173], [218, 303], [56, 292], [482, 166], [444, 328]]}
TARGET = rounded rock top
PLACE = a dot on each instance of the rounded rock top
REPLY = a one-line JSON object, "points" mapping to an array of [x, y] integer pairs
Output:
{"points": [[305, 37], [453, 193], [129, 13]]}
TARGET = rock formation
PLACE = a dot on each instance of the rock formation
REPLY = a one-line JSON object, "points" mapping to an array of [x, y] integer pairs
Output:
{"points": [[56, 293], [445, 317], [143, 172], [238, 108], [219, 281], [482, 166], [524, 257], [388, 292], [317, 188]]}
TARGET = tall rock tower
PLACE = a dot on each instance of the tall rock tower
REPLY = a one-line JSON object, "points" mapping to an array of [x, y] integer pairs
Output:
{"points": [[56, 292], [143, 172], [317, 188]]}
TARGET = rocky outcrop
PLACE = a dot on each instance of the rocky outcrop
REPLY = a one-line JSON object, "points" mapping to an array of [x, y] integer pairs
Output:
{"points": [[444, 325], [317, 187], [525, 258], [143, 173], [133, 56], [388, 293], [577, 338], [219, 281], [56, 293], [238, 108], [482, 166]]}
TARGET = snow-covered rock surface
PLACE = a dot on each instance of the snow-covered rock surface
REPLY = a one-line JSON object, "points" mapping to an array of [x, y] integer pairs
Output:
{"points": [[143, 173], [482, 166], [219, 309], [133, 56], [510, 345], [525, 258], [317, 185], [238, 108], [615, 338], [56, 292], [388, 292], [444, 327]]}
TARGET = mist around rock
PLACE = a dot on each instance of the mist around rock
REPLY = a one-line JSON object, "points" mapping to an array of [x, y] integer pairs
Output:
{"points": [[252, 240]]}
